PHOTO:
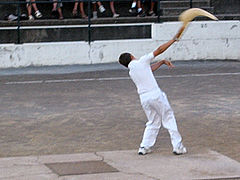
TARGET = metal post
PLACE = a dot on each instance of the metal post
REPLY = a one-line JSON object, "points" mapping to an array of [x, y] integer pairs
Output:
{"points": [[158, 11], [18, 24], [89, 22], [190, 3]]}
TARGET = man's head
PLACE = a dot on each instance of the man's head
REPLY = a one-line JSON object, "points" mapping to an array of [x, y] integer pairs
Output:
{"points": [[125, 59]]}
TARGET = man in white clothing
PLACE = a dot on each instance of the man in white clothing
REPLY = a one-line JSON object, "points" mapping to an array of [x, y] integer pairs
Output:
{"points": [[153, 100]]}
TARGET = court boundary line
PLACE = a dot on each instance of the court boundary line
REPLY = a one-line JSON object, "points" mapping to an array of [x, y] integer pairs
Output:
{"points": [[115, 78]]}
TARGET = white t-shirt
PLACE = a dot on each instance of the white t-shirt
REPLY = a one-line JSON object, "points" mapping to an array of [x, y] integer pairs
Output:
{"points": [[141, 73]]}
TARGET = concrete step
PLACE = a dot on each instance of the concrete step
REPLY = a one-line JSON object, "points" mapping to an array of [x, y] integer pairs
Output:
{"points": [[175, 18], [66, 22], [179, 10], [201, 18], [171, 4], [228, 16]]}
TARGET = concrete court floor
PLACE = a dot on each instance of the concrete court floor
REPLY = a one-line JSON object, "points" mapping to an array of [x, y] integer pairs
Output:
{"points": [[75, 109]]}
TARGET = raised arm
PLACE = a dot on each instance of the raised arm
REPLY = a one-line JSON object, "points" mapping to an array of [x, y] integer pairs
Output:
{"points": [[166, 45]]}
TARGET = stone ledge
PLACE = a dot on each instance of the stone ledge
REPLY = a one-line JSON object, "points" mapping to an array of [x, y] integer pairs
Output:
{"points": [[80, 21], [122, 20]]}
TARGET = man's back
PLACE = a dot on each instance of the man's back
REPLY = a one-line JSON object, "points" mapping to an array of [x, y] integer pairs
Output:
{"points": [[141, 74]]}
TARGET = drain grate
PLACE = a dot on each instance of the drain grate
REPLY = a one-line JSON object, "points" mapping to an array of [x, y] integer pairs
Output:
{"points": [[80, 167]]}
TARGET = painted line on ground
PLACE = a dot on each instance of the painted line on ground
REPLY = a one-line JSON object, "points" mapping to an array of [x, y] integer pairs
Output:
{"points": [[116, 78]]}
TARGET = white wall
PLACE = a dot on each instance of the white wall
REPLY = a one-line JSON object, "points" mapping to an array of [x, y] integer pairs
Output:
{"points": [[202, 40]]}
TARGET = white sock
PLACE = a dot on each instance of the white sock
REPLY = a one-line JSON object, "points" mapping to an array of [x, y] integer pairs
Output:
{"points": [[139, 9]]}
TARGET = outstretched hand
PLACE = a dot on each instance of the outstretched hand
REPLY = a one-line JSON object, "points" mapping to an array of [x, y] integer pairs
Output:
{"points": [[178, 35], [168, 63], [156, 65], [166, 45]]}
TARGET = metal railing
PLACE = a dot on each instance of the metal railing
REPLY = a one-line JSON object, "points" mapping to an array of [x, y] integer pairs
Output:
{"points": [[19, 3]]}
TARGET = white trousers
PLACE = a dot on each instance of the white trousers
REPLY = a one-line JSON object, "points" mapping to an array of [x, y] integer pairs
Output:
{"points": [[159, 112]]}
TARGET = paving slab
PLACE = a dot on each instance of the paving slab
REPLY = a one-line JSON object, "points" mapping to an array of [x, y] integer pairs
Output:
{"points": [[206, 164], [23, 170], [18, 161]]}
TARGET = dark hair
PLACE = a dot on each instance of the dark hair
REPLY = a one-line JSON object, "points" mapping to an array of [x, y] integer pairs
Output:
{"points": [[125, 59]]}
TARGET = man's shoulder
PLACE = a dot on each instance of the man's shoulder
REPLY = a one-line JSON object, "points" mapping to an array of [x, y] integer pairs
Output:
{"points": [[132, 63], [146, 57]]}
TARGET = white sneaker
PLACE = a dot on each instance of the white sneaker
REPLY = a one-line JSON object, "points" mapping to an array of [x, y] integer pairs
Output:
{"points": [[133, 5], [38, 14], [116, 15], [143, 151], [102, 9], [30, 18], [180, 150], [12, 17]]}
